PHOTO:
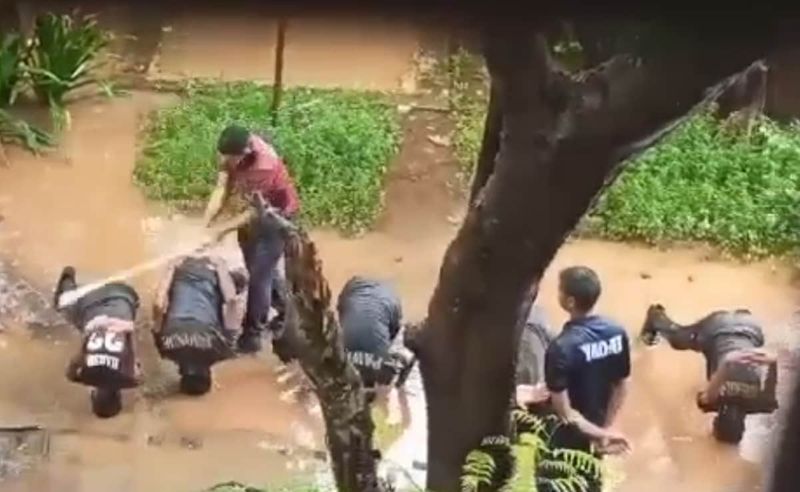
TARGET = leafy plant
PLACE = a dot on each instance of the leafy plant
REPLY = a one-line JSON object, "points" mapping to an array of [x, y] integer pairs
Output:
{"points": [[537, 465], [336, 144], [468, 99], [708, 184], [16, 130], [736, 190], [64, 54], [12, 52]]}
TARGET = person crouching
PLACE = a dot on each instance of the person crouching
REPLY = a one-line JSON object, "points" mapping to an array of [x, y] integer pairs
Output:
{"points": [[107, 358], [370, 314], [198, 316]]}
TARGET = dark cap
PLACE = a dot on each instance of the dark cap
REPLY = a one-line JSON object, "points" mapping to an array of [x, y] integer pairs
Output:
{"points": [[233, 140]]}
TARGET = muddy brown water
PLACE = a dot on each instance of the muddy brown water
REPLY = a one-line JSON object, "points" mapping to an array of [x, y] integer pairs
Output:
{"points": [[80, 207]]}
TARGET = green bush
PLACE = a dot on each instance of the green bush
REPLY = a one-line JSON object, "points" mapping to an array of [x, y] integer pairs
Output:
{"points": [[705, 183], [64, 54], [12, 52], [337, 146]]}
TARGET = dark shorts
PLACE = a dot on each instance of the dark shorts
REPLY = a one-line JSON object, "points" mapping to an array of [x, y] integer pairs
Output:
{"points": [[187, 341], [751, 388]]}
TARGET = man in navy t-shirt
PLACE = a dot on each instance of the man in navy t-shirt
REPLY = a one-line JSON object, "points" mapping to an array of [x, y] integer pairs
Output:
{"points": [[586, 368]]}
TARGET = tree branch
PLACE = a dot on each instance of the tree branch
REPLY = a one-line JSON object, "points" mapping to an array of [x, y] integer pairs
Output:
{"points": [[318, 344]]}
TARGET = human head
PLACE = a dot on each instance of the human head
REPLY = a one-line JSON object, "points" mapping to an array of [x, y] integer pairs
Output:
{"points": [[234, 142], [578, 289], [106, 402], [195, 379], [729, 424]]}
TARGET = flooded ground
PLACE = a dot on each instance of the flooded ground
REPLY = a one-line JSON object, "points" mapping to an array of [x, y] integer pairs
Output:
{"points": [[94, 218], [80, 207]]}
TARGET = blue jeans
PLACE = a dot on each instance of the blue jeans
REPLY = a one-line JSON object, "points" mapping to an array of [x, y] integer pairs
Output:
{"points": [[261, 257]]}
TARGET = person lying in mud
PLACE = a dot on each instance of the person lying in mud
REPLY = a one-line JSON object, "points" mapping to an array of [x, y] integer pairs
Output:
{"points": [[250, 165], [107, 358], [731, 342], [370, 315], [198, 315]]}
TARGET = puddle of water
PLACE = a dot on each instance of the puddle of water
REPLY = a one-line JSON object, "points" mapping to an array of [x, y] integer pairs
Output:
{"points": [[242, 47]]}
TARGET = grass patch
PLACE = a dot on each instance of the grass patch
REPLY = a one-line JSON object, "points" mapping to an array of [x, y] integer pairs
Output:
{"points": [[706, 184], [337, 145], [468, 99], [737, 192]]}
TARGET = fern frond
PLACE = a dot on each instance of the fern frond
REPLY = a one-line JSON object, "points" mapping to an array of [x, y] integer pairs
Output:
{"points": [[582, 461], [478, 470], [575, 483]]}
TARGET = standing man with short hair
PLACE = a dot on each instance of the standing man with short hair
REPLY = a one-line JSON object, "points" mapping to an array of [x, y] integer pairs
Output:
{"points": [[249, 166], [586, 371]]}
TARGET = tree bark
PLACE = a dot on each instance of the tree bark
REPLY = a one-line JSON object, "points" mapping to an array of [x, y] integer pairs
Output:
{"points": [[277, 85], [318, 341], [562, 141], [490, 144]]}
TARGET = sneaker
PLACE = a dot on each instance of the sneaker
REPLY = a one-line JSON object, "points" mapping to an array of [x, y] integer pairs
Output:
{"points": [[65, 282]]}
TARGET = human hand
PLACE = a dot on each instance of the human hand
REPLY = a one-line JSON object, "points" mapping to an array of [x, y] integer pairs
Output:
{"points": [[613, 443], [528, 394]]}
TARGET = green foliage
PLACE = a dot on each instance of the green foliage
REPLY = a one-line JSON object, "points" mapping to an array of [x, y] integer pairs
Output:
{"points": [[704, 183], [737, 191], [337, 145], [536, 465], [468, 99], [12, 52], [64, 54], [18, 131]]}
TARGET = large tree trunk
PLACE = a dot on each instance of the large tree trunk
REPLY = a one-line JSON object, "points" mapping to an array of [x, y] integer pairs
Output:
{"points": [[562, 141], [317, 340], [490, 145]]}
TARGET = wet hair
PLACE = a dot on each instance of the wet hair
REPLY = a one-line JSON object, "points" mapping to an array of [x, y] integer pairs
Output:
{"points": [[233, 140], [195, 381], [582, 284], [106, 403]]}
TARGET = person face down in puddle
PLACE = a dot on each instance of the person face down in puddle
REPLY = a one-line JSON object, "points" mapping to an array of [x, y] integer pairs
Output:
{"points": [[198, 315], [107, 358], [249, 165], [741, 376], [370, 315]]}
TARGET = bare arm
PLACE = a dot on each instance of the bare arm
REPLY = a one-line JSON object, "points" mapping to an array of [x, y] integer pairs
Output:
{"points": [[162, 296], [218, 198], [232, 310], [563, 409]]}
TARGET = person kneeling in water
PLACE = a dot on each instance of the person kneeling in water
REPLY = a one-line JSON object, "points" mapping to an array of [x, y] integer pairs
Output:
{"points": [[198, 315], [107, 358], [370, 315], [731, 342]]}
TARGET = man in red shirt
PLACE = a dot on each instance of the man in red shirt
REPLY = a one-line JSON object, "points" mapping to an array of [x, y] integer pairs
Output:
{"points": [[249, 166]]}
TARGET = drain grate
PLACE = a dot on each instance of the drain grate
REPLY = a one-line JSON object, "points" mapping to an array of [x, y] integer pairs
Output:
{"points": [[21, 447]]}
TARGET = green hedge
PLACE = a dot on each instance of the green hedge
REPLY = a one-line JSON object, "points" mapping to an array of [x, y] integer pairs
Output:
{"points": [[337, 145], [705, 183]]}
